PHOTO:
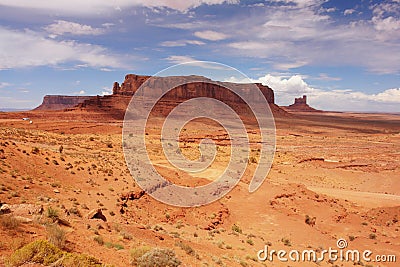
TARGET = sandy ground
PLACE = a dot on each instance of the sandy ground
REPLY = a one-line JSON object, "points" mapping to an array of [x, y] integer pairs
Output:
{"points": [[341, 168]]}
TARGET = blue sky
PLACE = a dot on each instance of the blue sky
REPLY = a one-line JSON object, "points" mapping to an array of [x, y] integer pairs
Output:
{"points": [[343, 54]]}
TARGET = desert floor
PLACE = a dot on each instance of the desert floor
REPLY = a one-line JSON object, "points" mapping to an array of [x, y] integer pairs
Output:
{"points": [[341, 168]]}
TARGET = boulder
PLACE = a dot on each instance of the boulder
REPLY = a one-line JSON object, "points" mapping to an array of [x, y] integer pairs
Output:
{"points": [[96, 214]]}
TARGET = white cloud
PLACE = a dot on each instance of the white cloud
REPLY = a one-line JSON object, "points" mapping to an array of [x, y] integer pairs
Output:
{"points": [[181, 43], [4, 84], [30, 49], [299, 33], [349, 11], [106, 91], [326, 77], [180, 59], [211, 35], [96, 7], [287, 88], [81, 92], [61, 27]]}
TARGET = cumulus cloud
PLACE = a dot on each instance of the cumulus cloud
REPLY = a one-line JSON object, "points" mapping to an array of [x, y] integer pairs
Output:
{"points": [[181, 43], [95, 7], [106, 91], [30, 49], [180, 59], [61, 27], [292, 34], [288, 87], [349, 11], [81, 92], [211, 35]]}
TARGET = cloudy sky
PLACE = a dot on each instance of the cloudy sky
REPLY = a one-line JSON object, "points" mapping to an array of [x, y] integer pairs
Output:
{"points": [[344, 54]]}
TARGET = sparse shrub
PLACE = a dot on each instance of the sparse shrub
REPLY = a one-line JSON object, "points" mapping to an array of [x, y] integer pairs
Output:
{"points": [[372, 236], [158, 257], [126, 235], [55, 162], [9, 222], [250, 242], [236, 228], [217, 260], [286, 242], [56, 236], [351, 237], [118, 246], [112, 245], [243, 263], [52, 214], [138, 252], [109, 145], [188, 249], [42, 252], [75, 211], [99, 239]]}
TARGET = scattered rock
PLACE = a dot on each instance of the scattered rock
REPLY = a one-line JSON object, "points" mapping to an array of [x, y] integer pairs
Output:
{"points": [[26, 209], [96, 214], [5, 209]]}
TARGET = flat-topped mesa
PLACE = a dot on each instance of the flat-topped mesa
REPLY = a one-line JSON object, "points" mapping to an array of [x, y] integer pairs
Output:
{"points": [[60, 102], [185, 87]]}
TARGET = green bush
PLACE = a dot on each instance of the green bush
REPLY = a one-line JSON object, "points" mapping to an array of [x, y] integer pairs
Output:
{"points": [[52, 214], [138, 252], [158, 257], [42, 252]]}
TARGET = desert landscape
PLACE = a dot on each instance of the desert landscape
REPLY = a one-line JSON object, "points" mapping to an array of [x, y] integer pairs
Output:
{"points": [[68, 199]]}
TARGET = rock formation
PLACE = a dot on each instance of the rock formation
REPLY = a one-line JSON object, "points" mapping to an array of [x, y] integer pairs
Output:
{"points": [[115, 105], [183, 88], [60, 102], [300, 105], [202, 87]]}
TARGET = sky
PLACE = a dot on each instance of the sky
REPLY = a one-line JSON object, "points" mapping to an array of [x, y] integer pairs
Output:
{"points": [[343, 54]]}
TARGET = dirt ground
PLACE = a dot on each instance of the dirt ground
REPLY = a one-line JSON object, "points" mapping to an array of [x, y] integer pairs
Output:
{"points": [[334, 175]]}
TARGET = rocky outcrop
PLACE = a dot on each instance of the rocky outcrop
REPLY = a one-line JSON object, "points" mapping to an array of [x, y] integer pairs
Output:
{"points": [[300, 105], [202, 87], [183, 88], [60, 102]]}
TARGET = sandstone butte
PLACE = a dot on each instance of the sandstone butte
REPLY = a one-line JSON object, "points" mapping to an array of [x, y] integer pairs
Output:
{"points": [[114, 105], [300, 105]]}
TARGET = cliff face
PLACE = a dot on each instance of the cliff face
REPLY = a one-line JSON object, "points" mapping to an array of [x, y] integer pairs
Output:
{"points": [[183, 88], [203, 87], [59, 102]]}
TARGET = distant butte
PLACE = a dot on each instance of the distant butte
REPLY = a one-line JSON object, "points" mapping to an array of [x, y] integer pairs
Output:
{"points": [[300, 105], [60, 102]]}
